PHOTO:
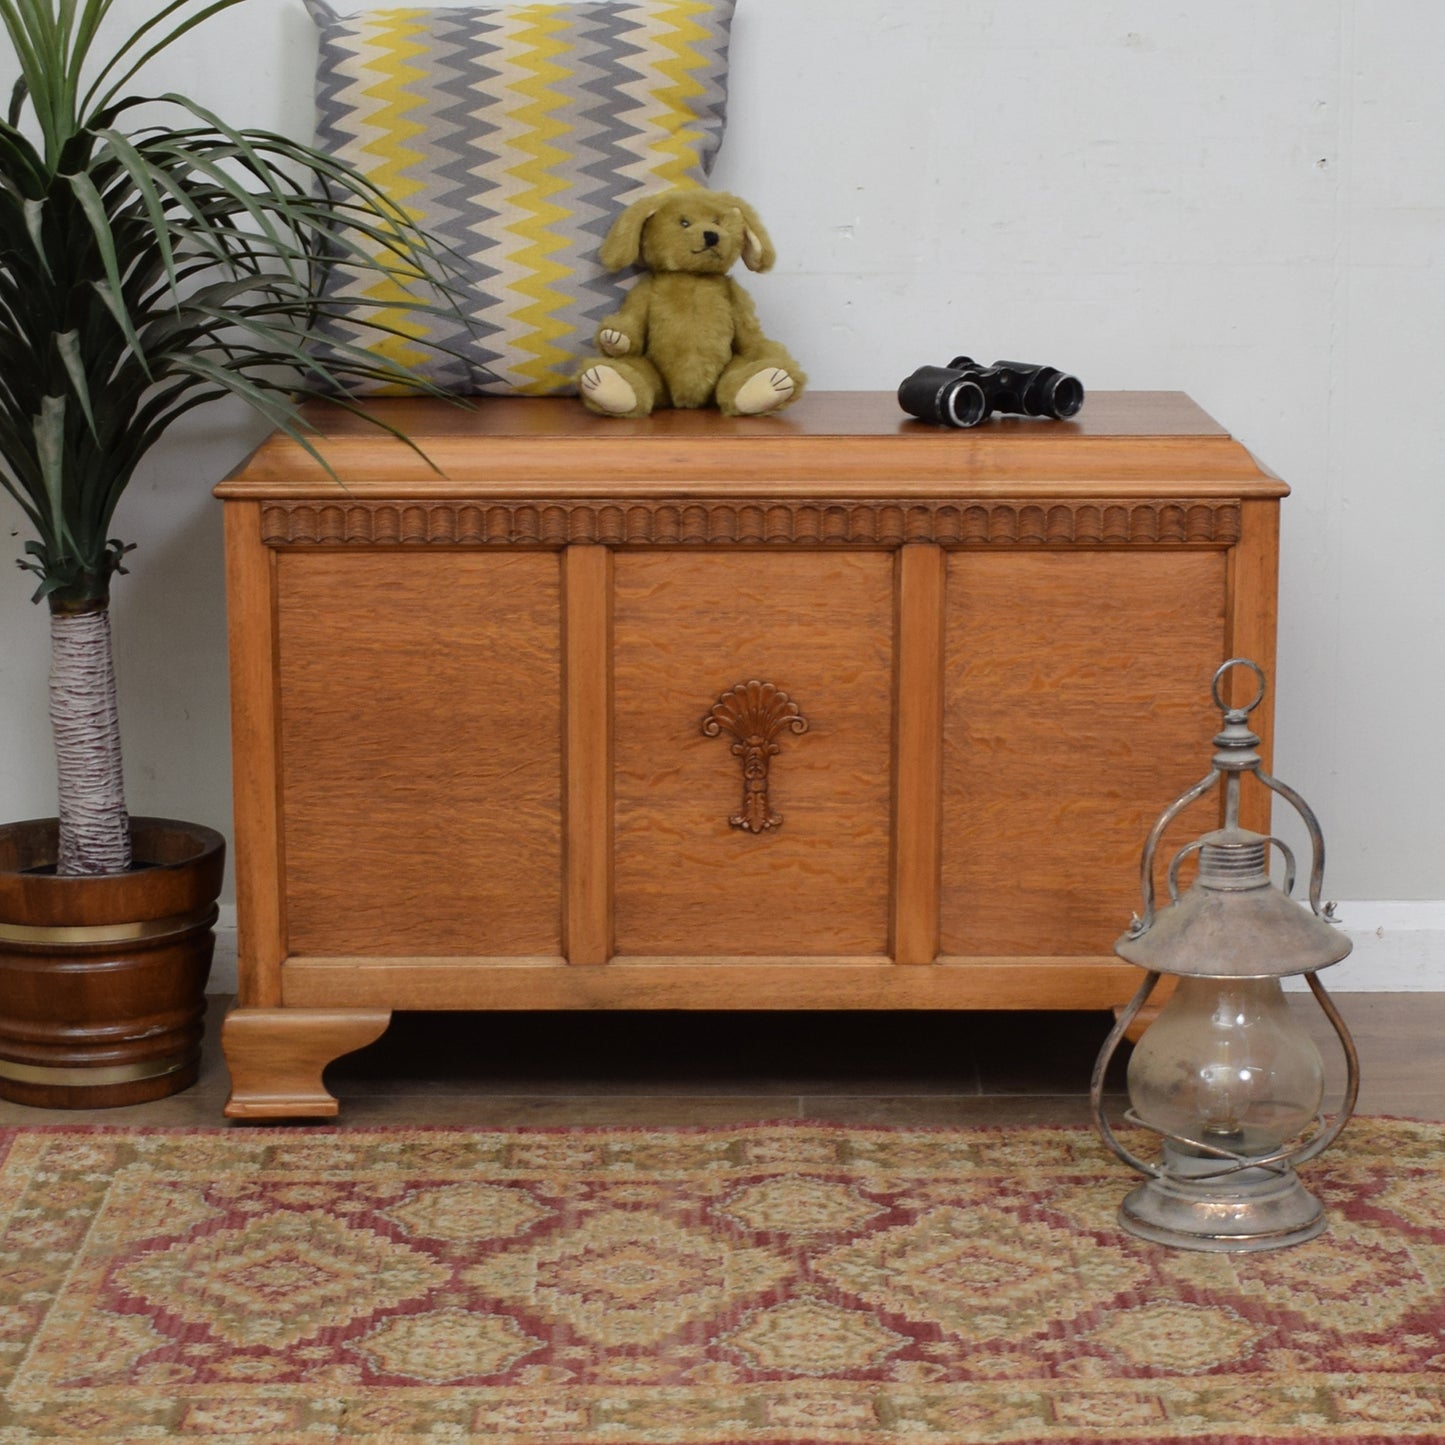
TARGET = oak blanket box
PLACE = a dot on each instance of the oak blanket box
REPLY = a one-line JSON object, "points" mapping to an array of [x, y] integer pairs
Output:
{"points": [[832, 709]]}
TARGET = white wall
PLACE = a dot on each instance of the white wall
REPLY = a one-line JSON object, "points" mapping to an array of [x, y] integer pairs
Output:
{"points": [[1241, 199]]}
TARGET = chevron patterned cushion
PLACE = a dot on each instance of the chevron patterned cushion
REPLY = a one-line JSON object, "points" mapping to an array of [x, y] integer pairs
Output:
{"points": [[515, 134]]}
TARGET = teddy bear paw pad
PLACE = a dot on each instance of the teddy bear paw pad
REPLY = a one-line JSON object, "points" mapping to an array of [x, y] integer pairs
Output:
{"points": [[608, 390], [766, 391]]}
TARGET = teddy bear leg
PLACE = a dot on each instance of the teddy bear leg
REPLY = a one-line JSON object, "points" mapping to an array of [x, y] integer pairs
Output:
{"points": [[756, 385], [619, 385]]}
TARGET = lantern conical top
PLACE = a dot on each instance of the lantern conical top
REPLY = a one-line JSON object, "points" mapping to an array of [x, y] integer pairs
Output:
{"points": [[1233, 922]]}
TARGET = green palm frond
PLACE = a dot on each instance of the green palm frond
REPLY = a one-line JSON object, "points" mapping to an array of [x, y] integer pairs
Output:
{"points": [[146, 269]]}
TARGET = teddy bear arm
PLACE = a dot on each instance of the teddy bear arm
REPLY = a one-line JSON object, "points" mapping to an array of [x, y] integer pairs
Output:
{"points": [[748, 337], [630, 319]]}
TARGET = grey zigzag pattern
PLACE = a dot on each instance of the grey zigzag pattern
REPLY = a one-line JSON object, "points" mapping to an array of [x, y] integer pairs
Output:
{"points": [[608, 122]]}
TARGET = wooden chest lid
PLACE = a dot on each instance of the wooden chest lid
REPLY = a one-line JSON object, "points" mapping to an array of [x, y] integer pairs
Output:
{"points": [[836, 444]]}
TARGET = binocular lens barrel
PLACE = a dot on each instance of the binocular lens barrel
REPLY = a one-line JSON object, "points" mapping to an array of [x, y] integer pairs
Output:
{"points": [[1066, 396], [966, 403], [940, 395]]}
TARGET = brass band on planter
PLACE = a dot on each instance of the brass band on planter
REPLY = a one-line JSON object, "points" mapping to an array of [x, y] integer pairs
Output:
{"points": [[108, 932], [89, 1077]]}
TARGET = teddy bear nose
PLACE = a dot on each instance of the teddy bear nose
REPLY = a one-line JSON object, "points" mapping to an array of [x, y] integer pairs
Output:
{"points": [[710, 238]]}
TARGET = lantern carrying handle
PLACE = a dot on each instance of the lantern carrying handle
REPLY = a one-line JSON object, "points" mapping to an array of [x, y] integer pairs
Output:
{"points": [[1323, 1140], [1236, 753], [1219, 674], [1317, 842], [1141, 923], [1101, 1069]]}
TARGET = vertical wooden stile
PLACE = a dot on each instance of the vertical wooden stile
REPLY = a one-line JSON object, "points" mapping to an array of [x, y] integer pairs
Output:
{"points": [[587, 752], [1251, 621], [258, 854], [918, 744]]}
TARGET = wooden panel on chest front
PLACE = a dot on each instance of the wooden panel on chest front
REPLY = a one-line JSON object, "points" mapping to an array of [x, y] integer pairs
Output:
{"points": [[1076, 707], [690, 626], [420, 701]]}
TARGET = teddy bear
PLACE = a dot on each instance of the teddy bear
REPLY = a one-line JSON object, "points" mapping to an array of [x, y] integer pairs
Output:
{"points": [[687, 334]]}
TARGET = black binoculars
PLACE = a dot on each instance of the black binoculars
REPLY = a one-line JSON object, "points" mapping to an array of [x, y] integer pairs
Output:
{"points": [[963, 393]]}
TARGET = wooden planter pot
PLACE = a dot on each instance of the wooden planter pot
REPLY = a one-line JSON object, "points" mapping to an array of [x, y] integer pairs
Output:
{"points": [[102, 979]]}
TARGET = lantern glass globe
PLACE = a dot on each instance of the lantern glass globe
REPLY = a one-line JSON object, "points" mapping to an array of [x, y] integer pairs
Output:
{"points": [[1227, 1064]]}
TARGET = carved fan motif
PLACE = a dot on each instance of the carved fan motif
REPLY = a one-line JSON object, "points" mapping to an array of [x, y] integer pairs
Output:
{"points": [[754, 714]]}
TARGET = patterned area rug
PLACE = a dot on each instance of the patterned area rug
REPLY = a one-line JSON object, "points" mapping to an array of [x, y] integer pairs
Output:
{"points": [[768, 1283]]}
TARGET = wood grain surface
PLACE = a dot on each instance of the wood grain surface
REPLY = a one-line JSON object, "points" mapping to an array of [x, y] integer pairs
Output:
{"points": [[1253, 605], [1076, 708], [421, 730], [257, 857], [845, 441], [687, 981], [922, 574], [276, 1057], [687, 628], [587, 753]]}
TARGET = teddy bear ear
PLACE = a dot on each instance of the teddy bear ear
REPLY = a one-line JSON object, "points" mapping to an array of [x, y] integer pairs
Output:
{"points": [[623, 246], [758, 252]]}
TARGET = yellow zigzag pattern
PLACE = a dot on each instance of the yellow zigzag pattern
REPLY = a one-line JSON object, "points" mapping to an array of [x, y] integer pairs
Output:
{"points": [[675, 33], [394, 49], [537, 128], [502, 197]]}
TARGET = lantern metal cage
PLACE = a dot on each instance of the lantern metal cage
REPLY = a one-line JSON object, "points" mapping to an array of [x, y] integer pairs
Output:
{"points": [[1226, 1075]]}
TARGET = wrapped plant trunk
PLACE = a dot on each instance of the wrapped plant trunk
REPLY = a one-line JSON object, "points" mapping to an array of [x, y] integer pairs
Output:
{"points": [[94, 824], [146, 269]]}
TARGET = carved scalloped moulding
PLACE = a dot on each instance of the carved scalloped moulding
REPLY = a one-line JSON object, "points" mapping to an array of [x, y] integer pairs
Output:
{"points": [[785, 523]]}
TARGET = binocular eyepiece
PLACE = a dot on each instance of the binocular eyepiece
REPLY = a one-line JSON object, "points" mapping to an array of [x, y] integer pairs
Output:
{"points": [[963, 393]]}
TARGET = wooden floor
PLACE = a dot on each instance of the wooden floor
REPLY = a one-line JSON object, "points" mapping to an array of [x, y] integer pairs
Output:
{"points": [[675, 1068]]}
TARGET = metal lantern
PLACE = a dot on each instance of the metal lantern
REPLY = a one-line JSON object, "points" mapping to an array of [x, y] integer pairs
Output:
{"points": [[1226, 1075]]}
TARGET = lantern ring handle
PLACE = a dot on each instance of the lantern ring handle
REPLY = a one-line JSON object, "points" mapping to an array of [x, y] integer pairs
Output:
{"points": [[1219, 675], [1101, 1068]]}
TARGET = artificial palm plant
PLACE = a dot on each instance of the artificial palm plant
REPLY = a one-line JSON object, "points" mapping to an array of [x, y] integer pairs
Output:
{"points": [[146, 268]]}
